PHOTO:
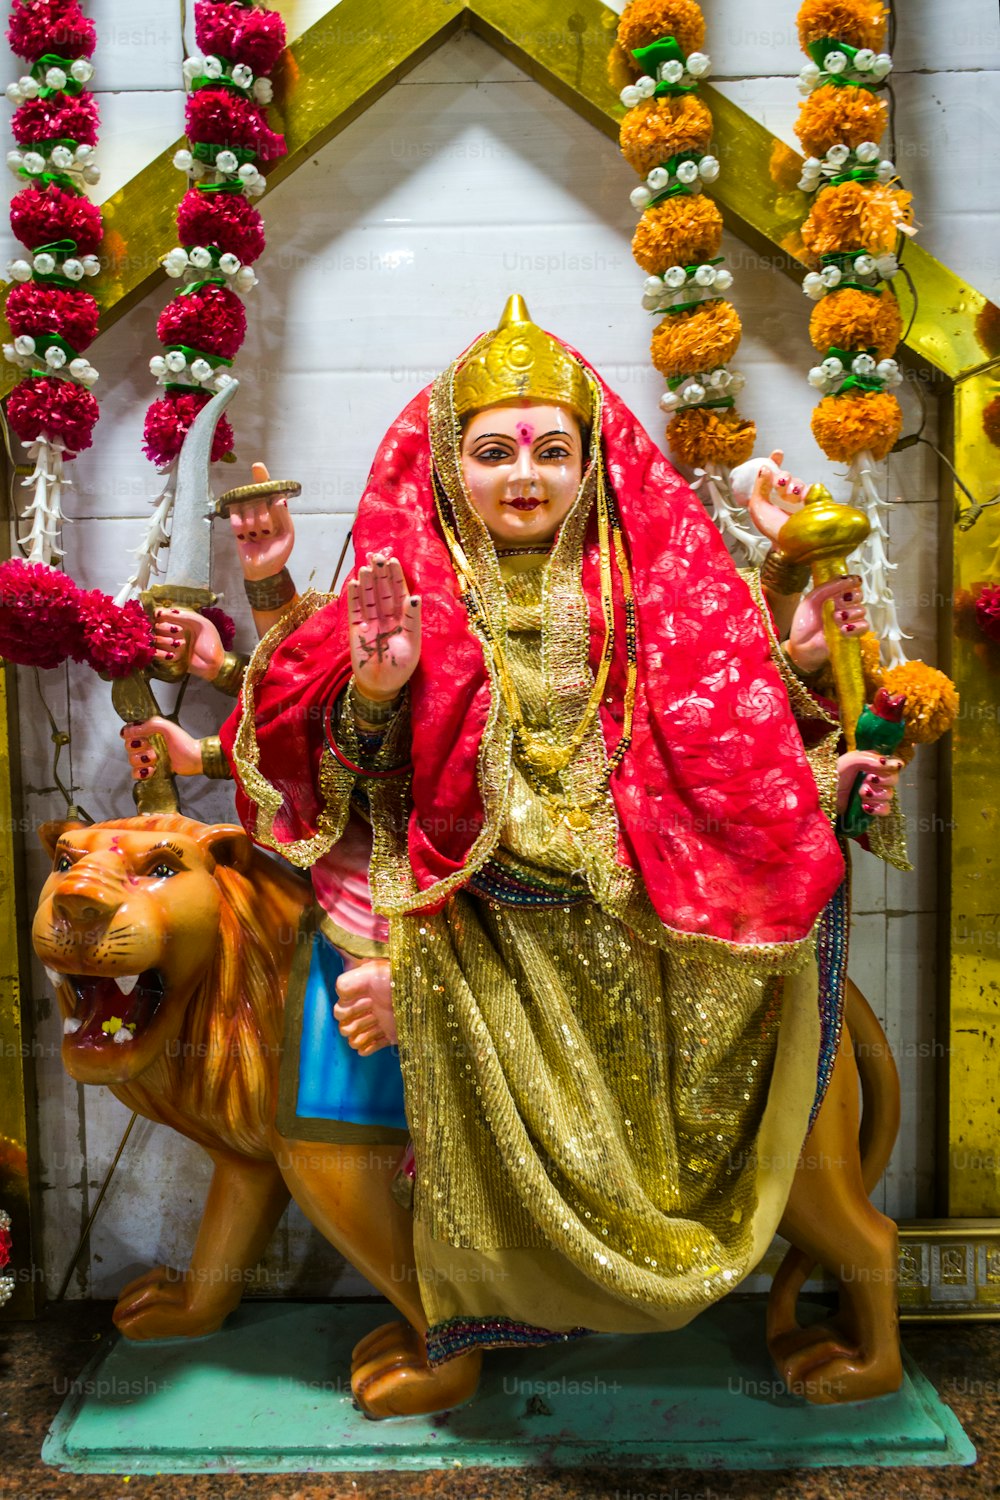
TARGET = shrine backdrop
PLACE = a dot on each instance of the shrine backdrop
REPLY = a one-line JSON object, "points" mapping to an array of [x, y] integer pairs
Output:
{"points": [[387, 252]]}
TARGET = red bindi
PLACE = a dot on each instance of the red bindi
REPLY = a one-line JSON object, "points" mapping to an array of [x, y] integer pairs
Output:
{"points": [[525, 433]]}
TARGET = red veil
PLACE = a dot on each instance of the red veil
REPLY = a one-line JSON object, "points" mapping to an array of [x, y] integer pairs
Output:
{"points": [[717, 807]]}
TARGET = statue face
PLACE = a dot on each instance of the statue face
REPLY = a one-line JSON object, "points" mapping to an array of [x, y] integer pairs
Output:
{"points": [[523, 466]]}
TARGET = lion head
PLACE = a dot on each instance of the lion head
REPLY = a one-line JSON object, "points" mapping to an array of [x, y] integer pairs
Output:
{"points": [[169, 941]]}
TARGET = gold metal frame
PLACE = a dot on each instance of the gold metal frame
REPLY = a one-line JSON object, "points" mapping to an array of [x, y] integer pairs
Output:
{"points": [[336, 69]]}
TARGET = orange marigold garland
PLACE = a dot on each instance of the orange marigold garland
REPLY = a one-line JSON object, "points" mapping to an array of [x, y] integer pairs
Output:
{"points": [[850, 235], [666, 137]]}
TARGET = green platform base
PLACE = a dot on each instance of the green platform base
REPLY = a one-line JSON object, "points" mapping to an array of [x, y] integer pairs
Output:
{"points": [[271, 1394]]}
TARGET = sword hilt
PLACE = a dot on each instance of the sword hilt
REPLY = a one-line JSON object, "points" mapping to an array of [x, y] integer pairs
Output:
{"points": [[173, 596], [133, 701]]}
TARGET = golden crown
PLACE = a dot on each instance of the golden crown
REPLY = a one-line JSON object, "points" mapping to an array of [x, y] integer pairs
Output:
{"points": [[519, 360]]}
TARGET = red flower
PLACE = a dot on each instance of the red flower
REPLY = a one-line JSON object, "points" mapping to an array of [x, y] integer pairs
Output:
{"points": [[57, 118], [33, 308], [42, 406], [212, 319], [227, 220], [40, 26], [117, 638], [224, 624], [219, 118], [988, 611], [40, 216], [167, 424], [254, 37], [39, 624]]}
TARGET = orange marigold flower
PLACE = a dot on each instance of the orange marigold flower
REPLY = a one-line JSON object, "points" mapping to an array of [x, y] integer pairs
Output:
{"points": [[850, 319], [832, 115], [702, 339], [931, 700], [677, 232], [856, 216], [645, 21], [657, 129], [859, 23], [701, 437], [856, 422]]}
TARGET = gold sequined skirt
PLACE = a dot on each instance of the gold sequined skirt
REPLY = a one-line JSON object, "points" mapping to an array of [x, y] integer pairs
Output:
{"points": [[605, 1132]]}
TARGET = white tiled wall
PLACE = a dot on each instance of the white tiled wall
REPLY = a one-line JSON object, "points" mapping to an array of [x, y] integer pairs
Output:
{"points": [[388, 253]]}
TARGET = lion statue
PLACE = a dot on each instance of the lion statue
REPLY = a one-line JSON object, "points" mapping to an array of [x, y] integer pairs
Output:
{"points": [[171, 943]]}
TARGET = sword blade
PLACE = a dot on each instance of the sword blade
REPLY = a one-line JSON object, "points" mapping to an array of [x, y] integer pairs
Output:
{"points": [[189, 560]]}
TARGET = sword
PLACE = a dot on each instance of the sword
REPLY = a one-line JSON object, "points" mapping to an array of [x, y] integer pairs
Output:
{"points": [[189, 568]]}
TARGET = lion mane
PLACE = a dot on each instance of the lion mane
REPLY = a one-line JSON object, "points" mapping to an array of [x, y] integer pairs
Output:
{"points": [[217, 1081]]}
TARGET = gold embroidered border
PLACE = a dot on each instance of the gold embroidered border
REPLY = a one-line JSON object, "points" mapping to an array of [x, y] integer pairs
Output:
{"points": [[335, 780]]}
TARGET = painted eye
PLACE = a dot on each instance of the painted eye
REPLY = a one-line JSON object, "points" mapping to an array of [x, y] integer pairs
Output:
{"points": [[62, 864], [163, 871]]}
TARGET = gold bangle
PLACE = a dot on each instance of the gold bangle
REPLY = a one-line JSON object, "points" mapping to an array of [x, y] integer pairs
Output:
{"points": [[782, 575], [265, 594], [214, 764], [368, 710], [229, 678], [806, 678], [261, 491]]}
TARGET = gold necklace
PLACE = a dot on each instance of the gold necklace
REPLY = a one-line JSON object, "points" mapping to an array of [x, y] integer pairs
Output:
{"points": [[540, 753]]}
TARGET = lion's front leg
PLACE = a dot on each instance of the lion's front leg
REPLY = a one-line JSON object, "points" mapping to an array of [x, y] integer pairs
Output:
{"points": [[245, 1201]]}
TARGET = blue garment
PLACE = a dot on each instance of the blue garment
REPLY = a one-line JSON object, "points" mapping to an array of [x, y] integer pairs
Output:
{"points": [[335, 1082]]}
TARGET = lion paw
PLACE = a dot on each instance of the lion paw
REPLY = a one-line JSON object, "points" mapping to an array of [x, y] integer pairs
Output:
{"points": [[157, 1306], [823, 1367], [390, 1376]]}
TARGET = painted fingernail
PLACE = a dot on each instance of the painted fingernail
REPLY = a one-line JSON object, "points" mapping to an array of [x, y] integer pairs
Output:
{"points": [[175, 630], [782, 482], [882, 761], [169, 655], [241, 536], [135, 744], [143, 775], [253, 536], [144, 759], [850, 627]]}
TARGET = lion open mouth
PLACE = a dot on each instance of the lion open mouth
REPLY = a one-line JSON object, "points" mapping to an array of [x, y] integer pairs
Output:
{"points": [[106, 1013]]}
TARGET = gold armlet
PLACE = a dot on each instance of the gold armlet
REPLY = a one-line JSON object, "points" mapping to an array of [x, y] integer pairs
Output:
{"points": [[214, 764], [265, 594], [229, 677], [783, 576]]}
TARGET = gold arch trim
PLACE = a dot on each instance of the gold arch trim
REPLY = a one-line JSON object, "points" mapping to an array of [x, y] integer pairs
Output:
{"points": [[340, 66]]}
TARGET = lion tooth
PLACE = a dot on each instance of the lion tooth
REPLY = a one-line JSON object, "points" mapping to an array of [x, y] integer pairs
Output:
{"points": [[126, 982], [54, 977], [123, 1035], [70, 1025]]}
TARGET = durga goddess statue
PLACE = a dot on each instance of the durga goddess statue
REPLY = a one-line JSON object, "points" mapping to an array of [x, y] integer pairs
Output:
{"points": [[550, 728]]}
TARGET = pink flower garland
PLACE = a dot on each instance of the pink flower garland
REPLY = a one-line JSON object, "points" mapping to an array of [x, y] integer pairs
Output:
{"points": [[46, 619], [52, 319], [221, 234]]}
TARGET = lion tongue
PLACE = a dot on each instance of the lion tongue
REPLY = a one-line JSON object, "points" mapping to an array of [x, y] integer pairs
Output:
{"points": [[100, 1003]]}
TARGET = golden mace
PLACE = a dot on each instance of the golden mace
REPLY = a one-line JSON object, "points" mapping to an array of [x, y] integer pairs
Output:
{"points": [[822, 535]]}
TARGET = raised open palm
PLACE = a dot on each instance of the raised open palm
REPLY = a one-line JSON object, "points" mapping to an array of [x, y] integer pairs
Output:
{"points": [[264, 530], [384, 621]]}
